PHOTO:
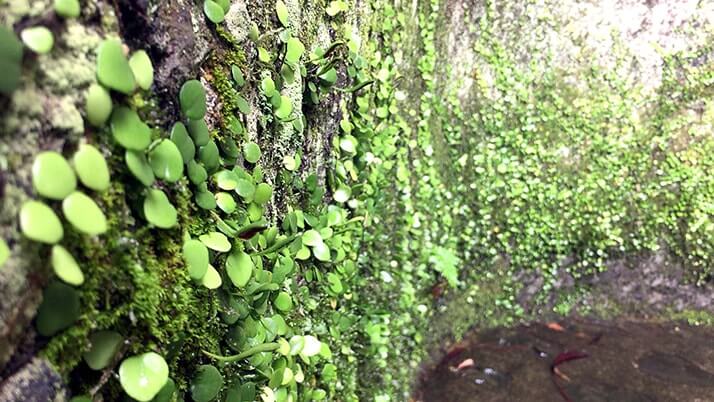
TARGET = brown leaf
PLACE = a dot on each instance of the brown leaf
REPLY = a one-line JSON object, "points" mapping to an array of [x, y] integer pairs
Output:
{"points": [[555, 326]]}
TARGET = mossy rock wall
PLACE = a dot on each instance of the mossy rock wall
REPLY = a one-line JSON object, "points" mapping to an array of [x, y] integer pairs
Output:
{"points": [[470, 109]]}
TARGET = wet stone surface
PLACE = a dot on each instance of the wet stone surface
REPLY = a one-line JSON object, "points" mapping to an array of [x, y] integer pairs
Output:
{"points": [[590, 361]]}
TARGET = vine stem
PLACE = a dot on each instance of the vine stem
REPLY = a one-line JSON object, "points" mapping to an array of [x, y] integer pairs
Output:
{"points": [[266, 347]]}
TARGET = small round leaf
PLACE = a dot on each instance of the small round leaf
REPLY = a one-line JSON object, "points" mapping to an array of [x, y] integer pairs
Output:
{"points": [[166, 161], [84, 214], [142, 69], [225, 202], [65, 266], [212, 279], [239, 267], [195, 255], [263, 193], [39, 222], [67, 8], [282, 11], [283, 302], [251, 152], [180, 137], [214, 11], [193, 97], [128, 129], [206, 384], [158, 210], [52, 176], [91, 167], [113, 69], [143, 376], [59, 309], [99, 105], [104, 345], [216, 241], [139, 167], [38, 39]]}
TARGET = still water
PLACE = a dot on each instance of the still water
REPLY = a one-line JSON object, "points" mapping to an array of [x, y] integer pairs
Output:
{"points": [[576, 361]]}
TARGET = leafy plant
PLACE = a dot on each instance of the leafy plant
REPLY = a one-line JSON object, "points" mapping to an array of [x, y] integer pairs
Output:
{"points": [[113, 69], [143, 376], [38, 39]]}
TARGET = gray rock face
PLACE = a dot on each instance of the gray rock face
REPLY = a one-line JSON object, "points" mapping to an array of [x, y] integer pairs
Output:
{"points": [[36, 381]]}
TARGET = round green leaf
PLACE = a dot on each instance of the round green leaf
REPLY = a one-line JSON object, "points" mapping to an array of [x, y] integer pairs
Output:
{"points": [[226, 180], [251, 152], [81, 398], [193, 97], [142, 69], [185, 145], [283, 302], [166, 393], [206, 384], [104, 345], [285, 109], [348, 144], [264, 55], [282, 11], [225, 4], [214, 11], [38, 39], [166, 161], [143, 376], [59, 309], [196, 173], [139, 167], [289, 163], [91, 167], [39, 222], [4, 252], [237, 75], [99, 105], [65, 266], [158, 210], [311, 238], [205, 200], [312, 346], [263, 193], [84, 214], [268, 87], [246, 189], [128, 129], [212, 279], [342, 194], [243, 105], [239, 267], [199, 132], [216, 241], [113, 69], [321, 252], [67, 8], [225, 202], [195, 255], [10, 60], [209, 156], [52, 176], [10, 47], [295, 49], [329, 77]]}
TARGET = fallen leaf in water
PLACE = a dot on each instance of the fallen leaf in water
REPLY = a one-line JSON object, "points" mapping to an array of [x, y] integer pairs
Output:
{"points": [[465, 364], [560, 374], [555, 326]]}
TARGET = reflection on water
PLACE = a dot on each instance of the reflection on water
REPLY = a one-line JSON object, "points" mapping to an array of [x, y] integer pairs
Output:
{"points": [[577, 361]]}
